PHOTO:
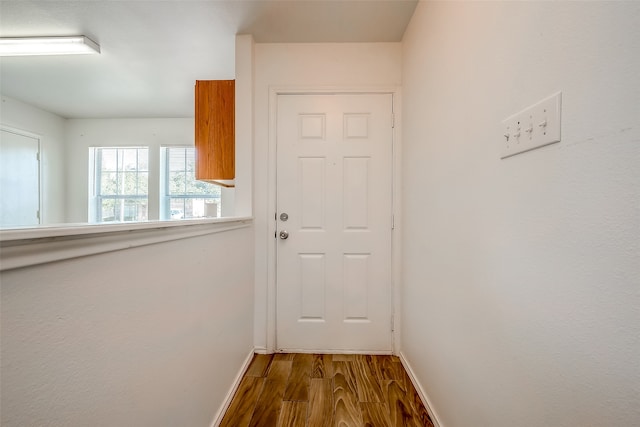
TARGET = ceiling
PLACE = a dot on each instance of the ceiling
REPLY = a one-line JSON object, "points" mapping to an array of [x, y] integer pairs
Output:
{"points": [[153, 51]]}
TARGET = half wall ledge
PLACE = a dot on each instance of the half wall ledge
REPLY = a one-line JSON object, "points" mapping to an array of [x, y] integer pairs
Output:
{"points": [[27, 247]]}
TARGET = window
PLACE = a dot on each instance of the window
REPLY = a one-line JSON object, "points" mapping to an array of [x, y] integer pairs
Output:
{"points": [[184, 197], [121, 184]]}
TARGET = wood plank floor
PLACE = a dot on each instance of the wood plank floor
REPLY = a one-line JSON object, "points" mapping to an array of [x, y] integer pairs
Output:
{"points": [[324, 390]]}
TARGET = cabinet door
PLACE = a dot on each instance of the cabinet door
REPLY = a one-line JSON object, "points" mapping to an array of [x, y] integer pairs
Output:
{"points": [[215, 131]]}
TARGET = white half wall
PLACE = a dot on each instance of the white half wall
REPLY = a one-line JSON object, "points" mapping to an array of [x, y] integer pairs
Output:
{"points": [[301, 65], [51, 129], [149, 336], [521, 276]]}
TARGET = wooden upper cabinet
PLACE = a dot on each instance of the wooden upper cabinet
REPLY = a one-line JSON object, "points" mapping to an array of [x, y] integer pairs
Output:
{"points": [[215, 131]]}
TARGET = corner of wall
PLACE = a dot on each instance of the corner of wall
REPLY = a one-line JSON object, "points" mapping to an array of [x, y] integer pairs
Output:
{"points": [[428, 404], [244, 125], [217, 419]]}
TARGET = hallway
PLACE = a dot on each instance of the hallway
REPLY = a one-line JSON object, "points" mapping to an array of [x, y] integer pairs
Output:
{"points": [[308, 390]]}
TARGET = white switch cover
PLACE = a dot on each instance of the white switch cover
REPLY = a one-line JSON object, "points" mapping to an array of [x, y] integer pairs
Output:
{"points": [[533, 127]]}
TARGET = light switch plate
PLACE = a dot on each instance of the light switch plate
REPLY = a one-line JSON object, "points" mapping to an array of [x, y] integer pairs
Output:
{"points": [[533, 127]]}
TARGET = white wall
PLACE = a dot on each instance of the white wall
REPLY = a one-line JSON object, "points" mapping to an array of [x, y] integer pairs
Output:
{"points": [[240, 198], [345, 65], [521, 276], [50, 128], [150, 336]]}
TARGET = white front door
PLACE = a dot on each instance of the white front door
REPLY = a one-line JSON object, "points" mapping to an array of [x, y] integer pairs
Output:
{"points": [[334, 185]]}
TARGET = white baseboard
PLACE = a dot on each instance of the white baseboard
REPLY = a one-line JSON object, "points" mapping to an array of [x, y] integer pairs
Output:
{"points": [[260, 350], [421, 393], [320, 351], [232, 391]]}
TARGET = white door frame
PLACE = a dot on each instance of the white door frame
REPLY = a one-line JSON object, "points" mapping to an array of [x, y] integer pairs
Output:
{"points": [[274, 92]]}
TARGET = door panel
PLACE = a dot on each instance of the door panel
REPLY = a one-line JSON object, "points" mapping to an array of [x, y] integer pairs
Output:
{"points": [[334, 181]]}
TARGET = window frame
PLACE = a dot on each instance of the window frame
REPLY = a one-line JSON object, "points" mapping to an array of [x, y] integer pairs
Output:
{"points": [[97, 181]]}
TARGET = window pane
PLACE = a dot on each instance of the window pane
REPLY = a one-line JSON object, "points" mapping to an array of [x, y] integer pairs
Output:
{"points": [[201, 187], [108, 159], [109, 183], [192, 185], [143, 183], [194, 208], [176, 208], [108, 211], [135, 210], [143, 160], [176, 159], [191, 160], [129, 159], [176, 182], [129, 183], [118, 210]]}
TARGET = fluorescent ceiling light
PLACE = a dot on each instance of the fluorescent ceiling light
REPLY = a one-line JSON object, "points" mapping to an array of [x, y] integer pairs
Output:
{"points": [[21, 46]]}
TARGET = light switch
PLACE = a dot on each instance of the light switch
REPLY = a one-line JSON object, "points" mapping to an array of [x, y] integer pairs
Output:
{"points": [[533, 127]]}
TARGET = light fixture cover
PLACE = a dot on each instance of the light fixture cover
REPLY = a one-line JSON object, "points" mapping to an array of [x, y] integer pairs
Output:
{"points": [[71, 45]]}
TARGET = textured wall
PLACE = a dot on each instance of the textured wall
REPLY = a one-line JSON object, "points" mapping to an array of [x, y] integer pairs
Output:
{"points": [[149, 336], [522, 276]]}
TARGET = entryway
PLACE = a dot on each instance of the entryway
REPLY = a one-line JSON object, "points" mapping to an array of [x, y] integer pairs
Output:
{"points": [[334, 222]]}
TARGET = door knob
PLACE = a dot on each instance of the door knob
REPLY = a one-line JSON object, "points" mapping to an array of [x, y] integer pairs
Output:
{"points": [[284, 234]]}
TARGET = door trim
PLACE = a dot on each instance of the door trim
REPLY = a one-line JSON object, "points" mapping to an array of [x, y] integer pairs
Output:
{"points": [[274, 92]]}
